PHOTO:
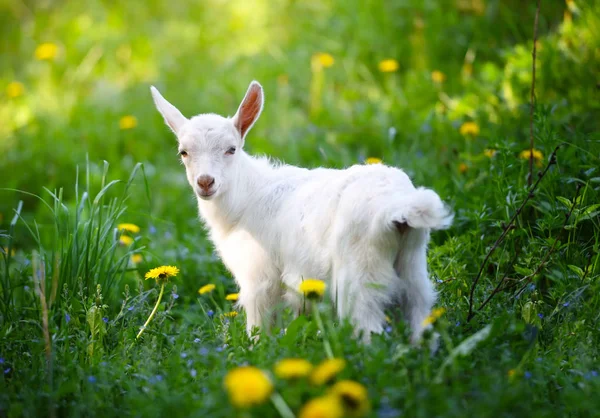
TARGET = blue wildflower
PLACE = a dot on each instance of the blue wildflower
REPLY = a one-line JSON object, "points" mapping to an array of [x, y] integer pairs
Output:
{"points": [[175, 296], [527, 375], [457, 323], [67, 318], [541, 315], [183, 355], [210, 313], [219, 349], [152, 229], [158, 377], [1, 360], [7, 370], [130, 308], [92, 379], [539, 359], [105, 319], [193, 372], [203, 351], [594, 373], [388, 329], [566, 304], [196, 340], [532, 287]]}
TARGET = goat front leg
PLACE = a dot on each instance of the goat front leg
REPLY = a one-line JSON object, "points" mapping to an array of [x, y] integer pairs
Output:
{"points": [[258, 299]]}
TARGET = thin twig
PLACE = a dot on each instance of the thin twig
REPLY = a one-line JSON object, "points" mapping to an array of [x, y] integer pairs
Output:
{"points": [[532, 99], [498, 287], [527, 279], [507, 228]]}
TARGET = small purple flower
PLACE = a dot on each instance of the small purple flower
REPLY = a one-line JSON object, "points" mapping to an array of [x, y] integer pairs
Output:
{"points": [[159, 378], [105, 319], [26, 288], [527, 375], [219, 349], [439, 280], [203, 351], [539, 359], [152, 229], [532, 287], [193, 372], [1, 360], [67, 318], [541, 315], [130, 308], [196, 340], [594, 373], [457, 323], [210, 313], [7, 370], [92, 379], [566, 304], [388, 329], [175, 296], [183, 355]]}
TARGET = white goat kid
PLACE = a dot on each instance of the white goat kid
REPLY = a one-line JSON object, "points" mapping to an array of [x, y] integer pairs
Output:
{"points": [[364, 230]]}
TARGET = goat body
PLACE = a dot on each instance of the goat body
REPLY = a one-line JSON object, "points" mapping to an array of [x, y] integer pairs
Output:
{"points": [[364, 230]]}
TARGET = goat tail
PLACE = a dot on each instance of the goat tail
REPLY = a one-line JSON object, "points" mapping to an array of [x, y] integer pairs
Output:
{"points": [[419, 209]]}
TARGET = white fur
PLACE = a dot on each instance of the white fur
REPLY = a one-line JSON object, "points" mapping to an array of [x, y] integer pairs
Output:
{"points": [[274, 225]]}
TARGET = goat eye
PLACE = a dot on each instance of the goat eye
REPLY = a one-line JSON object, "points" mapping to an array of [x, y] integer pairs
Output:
{"points": [[183, 153], [230, 151]]}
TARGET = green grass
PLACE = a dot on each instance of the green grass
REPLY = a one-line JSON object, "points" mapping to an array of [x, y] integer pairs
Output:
{"points": [[72, 301]]}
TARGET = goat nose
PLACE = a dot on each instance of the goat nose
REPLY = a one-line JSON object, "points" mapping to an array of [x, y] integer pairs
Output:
{"points": [[205, 182]]}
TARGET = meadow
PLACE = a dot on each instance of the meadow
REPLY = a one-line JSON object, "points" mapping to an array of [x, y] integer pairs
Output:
{"points": [[93, 196]]}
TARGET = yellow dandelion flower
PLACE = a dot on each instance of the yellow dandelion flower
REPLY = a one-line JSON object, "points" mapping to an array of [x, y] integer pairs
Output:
{"points": [[312, 288], [134, 229], [128, 122], [322, 60], [354, 397], [469, 129], [293, 368], [489, 152], [232, 297], [162, 273], [15, 89], [327, 370], [388, 319], [462, 168], [231, 314], [207, 288], [537, 156], [12, 252], [136, 258], [323, 407], [438, 76], [46, 51], [434, 316], [512, 373], [247, 386], [125, 240], [388, 66], [373, 160]]}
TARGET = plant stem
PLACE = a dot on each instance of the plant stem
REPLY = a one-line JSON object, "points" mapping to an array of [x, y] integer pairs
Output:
{"points": [[328, 350], [160, 295], [281, 406]]}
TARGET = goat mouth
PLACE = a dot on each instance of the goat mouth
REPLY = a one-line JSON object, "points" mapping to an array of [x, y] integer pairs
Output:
{"points": [[206, 195]]}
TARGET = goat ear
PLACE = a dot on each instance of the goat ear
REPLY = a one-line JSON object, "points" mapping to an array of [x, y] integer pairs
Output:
{"points": [[172, 116], [249, 109]]}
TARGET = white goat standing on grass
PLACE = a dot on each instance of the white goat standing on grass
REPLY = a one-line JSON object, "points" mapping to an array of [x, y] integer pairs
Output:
{"points": [[364, 230]]}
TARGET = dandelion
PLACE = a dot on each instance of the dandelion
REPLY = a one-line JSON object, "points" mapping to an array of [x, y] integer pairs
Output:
{"points": [[462, 168], [373, 160], [538, 157], [438, 76], [512, 373], [469, 129], [489, 152], [232, 297], [293, 368], [388, 66], [127, 122], [312, 288], [323, 407], [207, 288], [327, 370], [322, 60], [434, 316], [136, 259], [162, 275], [125, 240], [15, 89], [46, 51], [132, 228], [247, 386], [354, 397], [231, 314]]}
